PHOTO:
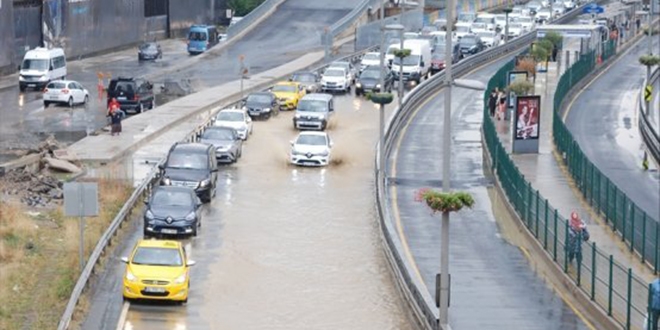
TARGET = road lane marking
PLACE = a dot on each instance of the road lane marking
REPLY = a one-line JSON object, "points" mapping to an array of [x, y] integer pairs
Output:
{"points": [[123, 315], [393, 188]]}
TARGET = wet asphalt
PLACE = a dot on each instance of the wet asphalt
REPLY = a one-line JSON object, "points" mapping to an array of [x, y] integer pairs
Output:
{"points": [[603, 120]]}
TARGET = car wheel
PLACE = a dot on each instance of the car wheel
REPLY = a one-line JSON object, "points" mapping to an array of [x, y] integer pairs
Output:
{"points": [[152, 105], [194, 233], [146, 234], [46, 104], [141, 108], [70, 103], [86, 99], [21, 88]]}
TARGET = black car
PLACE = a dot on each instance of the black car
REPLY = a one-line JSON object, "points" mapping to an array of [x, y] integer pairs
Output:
{"points": [[369, 80], [133, 94], [262, 104], [471, 44], [310, 80], [149, 51], [438, 58], [192, 165], [228, 145], [172, 211]]}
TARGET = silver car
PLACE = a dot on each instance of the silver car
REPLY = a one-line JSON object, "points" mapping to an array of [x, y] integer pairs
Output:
{"points": [[228, 145]]}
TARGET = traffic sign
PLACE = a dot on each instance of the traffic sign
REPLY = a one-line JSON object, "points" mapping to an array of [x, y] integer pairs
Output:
{"points": [[593, 9], [648, 92]]}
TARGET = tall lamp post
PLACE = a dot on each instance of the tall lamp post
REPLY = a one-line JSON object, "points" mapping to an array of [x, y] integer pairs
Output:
{"points": [[506, 11], [381, 89], [446, 164]]}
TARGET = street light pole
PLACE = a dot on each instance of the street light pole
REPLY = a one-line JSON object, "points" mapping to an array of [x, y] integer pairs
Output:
{"points": [[507, 11], [446, 184], [381, 143], [401, 69]]}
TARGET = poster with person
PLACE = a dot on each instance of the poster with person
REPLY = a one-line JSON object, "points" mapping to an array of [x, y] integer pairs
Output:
{"points": [[527, 117]]}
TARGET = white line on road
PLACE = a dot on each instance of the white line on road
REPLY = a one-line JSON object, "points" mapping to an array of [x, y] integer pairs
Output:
{"points": [[123, 315]]}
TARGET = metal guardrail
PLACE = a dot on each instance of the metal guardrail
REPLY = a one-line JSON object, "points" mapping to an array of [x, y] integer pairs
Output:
{"points": [[143, 190], [250, 18], [415, 292], [349, 19], [646, 128]]}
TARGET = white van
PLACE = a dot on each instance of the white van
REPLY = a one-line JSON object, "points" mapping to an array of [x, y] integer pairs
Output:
{"points": [[417, 65], [40, 66]]}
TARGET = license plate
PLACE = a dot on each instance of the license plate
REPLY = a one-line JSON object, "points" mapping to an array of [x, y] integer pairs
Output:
{"points": [[308, 123], [32, 85], [121, 98], [154, 289], [169, 231]]}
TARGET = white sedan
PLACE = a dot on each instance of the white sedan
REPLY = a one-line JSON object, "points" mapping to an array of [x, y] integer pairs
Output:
{"points": [[311, 149], [237, 119], [65, 92]]}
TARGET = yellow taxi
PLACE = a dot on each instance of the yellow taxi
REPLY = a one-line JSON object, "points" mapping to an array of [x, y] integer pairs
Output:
{"points": [[158, 270], [288, 94]]}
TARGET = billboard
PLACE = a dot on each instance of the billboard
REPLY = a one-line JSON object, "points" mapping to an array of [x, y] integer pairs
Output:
{"points": [[513, 77], [527, 117]]}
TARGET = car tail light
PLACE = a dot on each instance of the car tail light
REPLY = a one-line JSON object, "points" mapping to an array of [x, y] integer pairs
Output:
{"points": [[65, 91]]}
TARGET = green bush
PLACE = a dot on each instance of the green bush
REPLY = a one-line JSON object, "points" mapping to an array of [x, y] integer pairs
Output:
{"points": [[649, 60], [243, 7], [444, 202], [555, 38]]}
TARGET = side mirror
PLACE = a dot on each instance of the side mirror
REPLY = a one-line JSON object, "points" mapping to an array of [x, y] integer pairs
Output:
{"points": [[292, 143], [190, 263], [249, 119], [124, 260], [332, 143], [161, 166]]}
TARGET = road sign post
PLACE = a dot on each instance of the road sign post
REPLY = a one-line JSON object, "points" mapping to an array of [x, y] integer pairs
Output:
{"points": [[648, 92], [81, 200]]}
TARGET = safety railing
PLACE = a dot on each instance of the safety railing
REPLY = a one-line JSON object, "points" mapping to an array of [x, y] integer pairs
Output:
{"points": [[143, 190], [648, 131], [253, 16], [608, 284], [415, 292], [348, 20], [639, 230]]}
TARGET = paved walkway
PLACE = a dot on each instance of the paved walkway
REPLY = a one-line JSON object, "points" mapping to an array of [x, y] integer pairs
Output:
{"points": [[546, 175]]}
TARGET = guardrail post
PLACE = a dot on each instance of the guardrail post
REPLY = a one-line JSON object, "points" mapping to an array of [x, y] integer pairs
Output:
{"points": [[579, 265], [536, 215], [554, 246], [591, 185], [624, 220], [566, 247], [629, 298], [528, 206], [609, 287], [643, 237], [616, 216], [607, 201], [600, 209], [648, 310], [593, 271], [632, 227], [545, 227]]}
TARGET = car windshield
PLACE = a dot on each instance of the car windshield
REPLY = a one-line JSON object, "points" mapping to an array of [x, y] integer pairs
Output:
{"points": [[312, 140], [304, 77], [461, 28], [218, 134], [486, 34], [515, 25], [522, 19], [500, 18], [468, 41], [484, 20], [313, 106], [334, 73], [149, 46], [186, 160], [56, 85], [479, 26], [124, 86], [171, 198], [197, 36], [284, 88], [155, 256], [258, 98], [438, 56], [409, 60], [230, 116], [39, 65], [370, 74], [371, 57], [340, 65]]}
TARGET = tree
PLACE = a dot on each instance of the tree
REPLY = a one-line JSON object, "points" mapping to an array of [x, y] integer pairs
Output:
{"points": [[649, 60], [521, 87], [444, 202], [555, 38], [527, 64], [243, 7]]}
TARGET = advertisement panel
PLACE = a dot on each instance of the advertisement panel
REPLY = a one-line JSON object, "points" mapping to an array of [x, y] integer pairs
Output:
{"points": [[527, 117], [515, 76]]}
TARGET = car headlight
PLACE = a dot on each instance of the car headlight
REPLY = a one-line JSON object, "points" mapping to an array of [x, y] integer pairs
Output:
{"points": [[43, 78], [149, 215], [181, 279], [325, 153], [191, 216], [21, 78], [167, 181], [297, 153], [358, 85], [377, 86], [205, 183], [130, 277], [267, 109], [297, 116]]}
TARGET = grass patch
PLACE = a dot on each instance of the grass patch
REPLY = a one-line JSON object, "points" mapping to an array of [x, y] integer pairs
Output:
{"points": [[39, 257]]}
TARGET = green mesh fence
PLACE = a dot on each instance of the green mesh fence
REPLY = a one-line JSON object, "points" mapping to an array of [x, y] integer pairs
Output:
{"points": [[614, 288]]}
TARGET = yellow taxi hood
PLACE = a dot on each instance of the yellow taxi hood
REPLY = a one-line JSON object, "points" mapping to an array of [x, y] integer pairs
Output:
{"points": [[285, 94], [156, 272]]}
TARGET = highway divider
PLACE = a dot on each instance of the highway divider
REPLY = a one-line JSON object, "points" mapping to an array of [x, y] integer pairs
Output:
{"points": [[134, 201], [646, 128], [420, 302]]}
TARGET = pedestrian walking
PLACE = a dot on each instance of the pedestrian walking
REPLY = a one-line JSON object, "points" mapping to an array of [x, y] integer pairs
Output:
{"points": [[492, 101], [577, 233], [654, 300], [555, 50], [501, 103], [116, 116]]}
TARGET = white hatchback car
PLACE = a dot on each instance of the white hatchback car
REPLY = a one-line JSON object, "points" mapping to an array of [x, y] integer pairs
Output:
{"points": [[237, 119], [311, 149], [67, 92]]}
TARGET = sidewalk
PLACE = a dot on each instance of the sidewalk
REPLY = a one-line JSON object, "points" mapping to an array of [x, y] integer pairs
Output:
{"points": [[195, 108], [546, 175]]}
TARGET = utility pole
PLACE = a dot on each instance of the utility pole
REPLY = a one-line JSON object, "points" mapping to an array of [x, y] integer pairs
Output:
{"points": [[381, 143], [403, 14]]}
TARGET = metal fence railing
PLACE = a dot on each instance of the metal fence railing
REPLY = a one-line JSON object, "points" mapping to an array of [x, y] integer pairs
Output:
{"points": [[611, 286], [143, 190], [646, 128], [640, 230]]}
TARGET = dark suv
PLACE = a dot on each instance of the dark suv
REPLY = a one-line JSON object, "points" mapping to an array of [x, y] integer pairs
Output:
{"points": [[133, 94], [172, 211], [191, 165]]}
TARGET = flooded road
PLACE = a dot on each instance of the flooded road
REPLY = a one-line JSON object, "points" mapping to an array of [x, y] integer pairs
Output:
{"points": [[283, 247]]}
